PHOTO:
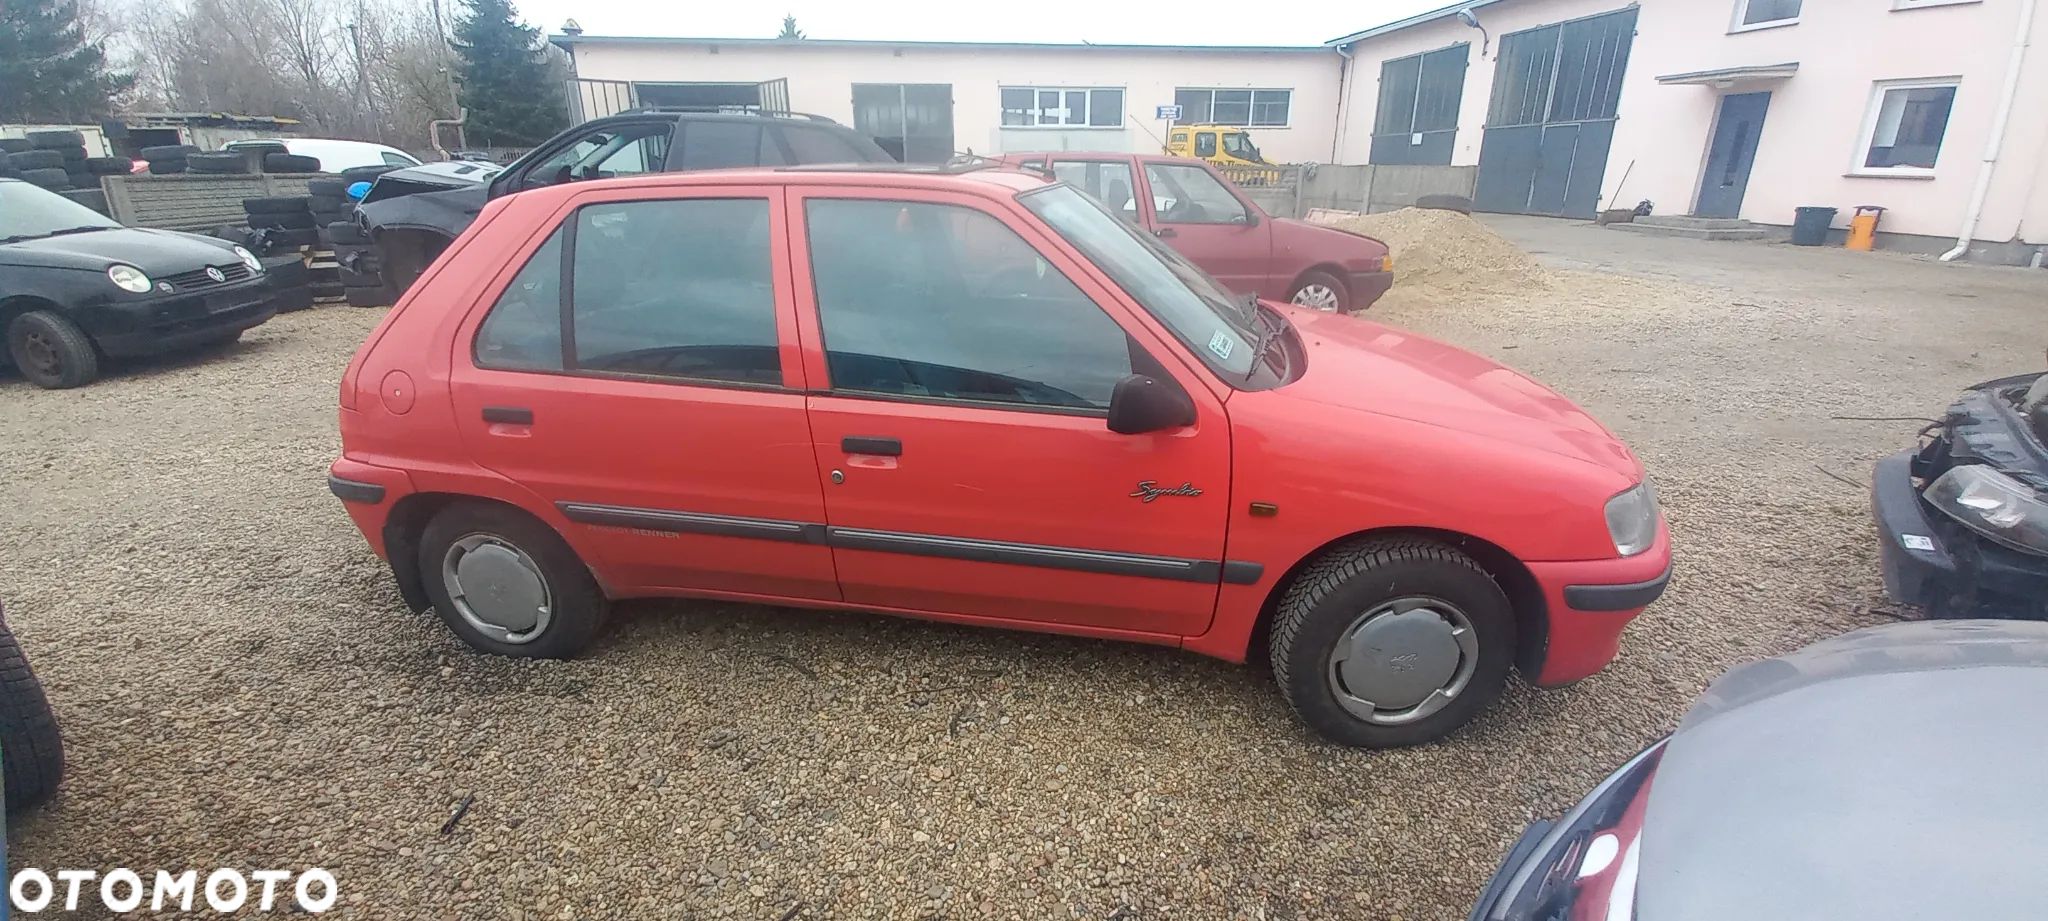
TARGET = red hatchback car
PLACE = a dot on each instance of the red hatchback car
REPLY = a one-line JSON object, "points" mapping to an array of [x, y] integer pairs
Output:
{"points": [[1208, 219], [976, 396]]}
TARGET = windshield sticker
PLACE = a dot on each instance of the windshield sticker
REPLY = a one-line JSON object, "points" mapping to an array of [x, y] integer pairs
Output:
{"points": [[1221, 344]]}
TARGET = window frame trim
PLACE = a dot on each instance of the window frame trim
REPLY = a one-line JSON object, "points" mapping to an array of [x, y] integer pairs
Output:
{"points": [[1251, 105], [1737, 26], [1035, 89], [1873, 111]]}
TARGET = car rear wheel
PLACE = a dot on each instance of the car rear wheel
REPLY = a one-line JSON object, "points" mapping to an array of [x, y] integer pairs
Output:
{"points": [[31, 748], [1321, 291], [1392, 641], [51, 351], [508, 584]]}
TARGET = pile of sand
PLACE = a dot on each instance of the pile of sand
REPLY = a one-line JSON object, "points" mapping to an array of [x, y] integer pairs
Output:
{"points": [[1447, 253]]}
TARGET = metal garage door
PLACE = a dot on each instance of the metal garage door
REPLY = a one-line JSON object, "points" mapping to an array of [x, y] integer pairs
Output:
{"points": [[1555, 93], [1417, 118]]}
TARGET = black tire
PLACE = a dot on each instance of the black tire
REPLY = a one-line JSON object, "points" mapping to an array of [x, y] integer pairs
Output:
{"points": [[15, 145], [355, 174], [578, 608], [324, 218], [109, 166], [405, 257], [95, 199], [220, 163], [359, 272], [290, 163], [327, 188], [51, 351], [54, 140], [168, 152], [1321, 281], [369, 296], [283, 220], [290, 238], [328, 290], [74, 157], [297, 297], [31, 748], [1458, 203], [1352, 580], [285, 271], [287, 204], [47, 178], [346, 233], [81, 180], [168, 167], [319, 203], [36, 159]]}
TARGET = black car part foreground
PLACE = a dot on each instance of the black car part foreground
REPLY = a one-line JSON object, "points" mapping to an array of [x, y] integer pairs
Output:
{"points": [[1963, 520]]}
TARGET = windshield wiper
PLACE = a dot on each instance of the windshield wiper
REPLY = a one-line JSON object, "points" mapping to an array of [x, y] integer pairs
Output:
{"points": [[1269, 335], [87, 228], [17, 238]]}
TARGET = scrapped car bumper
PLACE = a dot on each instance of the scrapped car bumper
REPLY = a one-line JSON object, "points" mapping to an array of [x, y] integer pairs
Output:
{"points": [[1590, 602], [1367, 287], [1930, 561], [165, 324]]}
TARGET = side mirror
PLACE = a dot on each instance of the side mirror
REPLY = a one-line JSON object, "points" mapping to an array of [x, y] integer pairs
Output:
{"points": [[1251, 217], [1141, 404]]}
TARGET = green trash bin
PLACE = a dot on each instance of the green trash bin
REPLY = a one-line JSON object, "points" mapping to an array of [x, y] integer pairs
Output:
{"points": [[1810, 225]]}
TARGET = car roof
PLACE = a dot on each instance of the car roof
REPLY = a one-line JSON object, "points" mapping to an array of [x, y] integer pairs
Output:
{"points": [[1891, 772], [981, 178]]}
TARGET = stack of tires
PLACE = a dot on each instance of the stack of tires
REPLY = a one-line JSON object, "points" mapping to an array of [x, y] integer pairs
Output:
{"points": [[354, 256], [284, 226], [291, 282], [168, 159], [56, 160]]}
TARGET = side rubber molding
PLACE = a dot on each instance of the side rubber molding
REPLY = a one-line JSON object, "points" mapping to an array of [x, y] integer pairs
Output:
{"points": [[352, 491], [1616, 597]]}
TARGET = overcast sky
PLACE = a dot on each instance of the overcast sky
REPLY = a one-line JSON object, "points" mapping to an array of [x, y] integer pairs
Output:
{"points": [[1299, 22]]}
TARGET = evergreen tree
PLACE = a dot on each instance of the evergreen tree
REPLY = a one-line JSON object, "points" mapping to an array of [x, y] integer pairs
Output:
{"points": [[48, 72], [511, 97], [789, 29]]}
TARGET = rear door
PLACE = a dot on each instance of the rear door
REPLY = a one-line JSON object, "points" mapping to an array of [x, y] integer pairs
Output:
{"points": [[1200, 215], [639, 375], [1111, 181], [965, 365]]}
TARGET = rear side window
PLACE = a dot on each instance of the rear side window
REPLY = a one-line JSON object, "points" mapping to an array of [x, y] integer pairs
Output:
{"points": [[1110, 183], [720, 145], [676, 288], [936, 301], [816, 145], [523, 331]]}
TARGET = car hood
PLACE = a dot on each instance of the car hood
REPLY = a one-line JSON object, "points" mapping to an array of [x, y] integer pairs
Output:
{"points": [[1317, 243], [1357, 364], [155, 252]]}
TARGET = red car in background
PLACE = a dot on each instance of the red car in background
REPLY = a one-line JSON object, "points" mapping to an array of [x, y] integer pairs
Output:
{"points": [[972, 395], [1188, 204]]}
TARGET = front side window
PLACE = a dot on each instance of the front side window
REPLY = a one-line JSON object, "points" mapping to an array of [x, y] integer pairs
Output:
{"points": [[943, 302], [1062, 107], [1754, 13], [1109, 181], [1194, 194], [1205, 144], [394, 159], [1906, 126], [677, 288], [624, 151], [1216, 327]]}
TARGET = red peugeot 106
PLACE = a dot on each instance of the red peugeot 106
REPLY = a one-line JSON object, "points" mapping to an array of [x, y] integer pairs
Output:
{"points": [[973, 395]]}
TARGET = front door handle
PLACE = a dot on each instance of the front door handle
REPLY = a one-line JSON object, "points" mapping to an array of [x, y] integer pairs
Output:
{"points": [[1165, 232], [871, 444], [508, 415]]}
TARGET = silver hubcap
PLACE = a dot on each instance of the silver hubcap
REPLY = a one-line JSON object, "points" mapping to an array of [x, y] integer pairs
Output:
{"points": [[1317, 297], [1404, 660], [497, 588]]}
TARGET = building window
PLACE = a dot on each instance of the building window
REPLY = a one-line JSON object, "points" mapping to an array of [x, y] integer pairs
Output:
{"points": [[1062, 107], [1764, 14], [1902, 134], [1253, 108]]}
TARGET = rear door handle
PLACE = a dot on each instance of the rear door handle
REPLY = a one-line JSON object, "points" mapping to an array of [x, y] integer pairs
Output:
{"points": [[1165, 232], [871, 444], [508, 415]]}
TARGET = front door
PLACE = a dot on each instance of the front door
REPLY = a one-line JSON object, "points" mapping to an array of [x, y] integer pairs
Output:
{"points": [[1195, 212], [638, 388], [961, 433], [1731, 153]]}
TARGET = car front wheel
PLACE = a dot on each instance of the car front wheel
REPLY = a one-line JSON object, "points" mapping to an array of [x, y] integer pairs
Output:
{"points": [[508, 584], [51, 351], [1321, 291], [1391, 642]]}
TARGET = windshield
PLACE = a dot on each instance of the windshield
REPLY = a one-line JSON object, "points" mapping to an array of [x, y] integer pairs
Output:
{"points": [[1217, 326], [1240, 146], [28, 212]]}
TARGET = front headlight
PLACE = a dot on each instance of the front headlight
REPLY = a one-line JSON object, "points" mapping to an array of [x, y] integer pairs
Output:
{"points": [[129, 278], [1632, 519], [249, 259], [1994, 505]]}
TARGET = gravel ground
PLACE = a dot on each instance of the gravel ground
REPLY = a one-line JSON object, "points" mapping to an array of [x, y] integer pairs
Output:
{"points": [[240, 685]]}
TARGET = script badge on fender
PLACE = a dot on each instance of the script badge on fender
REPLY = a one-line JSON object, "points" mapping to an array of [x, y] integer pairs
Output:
{"points": [[1149, 490]]}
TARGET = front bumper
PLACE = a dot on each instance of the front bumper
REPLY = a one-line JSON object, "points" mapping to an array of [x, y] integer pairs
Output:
{"points": [[1588, 604], [1936, 563], [149, 325], [1368, 287]]}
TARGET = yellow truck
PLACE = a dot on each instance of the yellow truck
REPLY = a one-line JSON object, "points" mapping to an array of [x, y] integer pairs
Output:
{"points": [[1230, 149]]}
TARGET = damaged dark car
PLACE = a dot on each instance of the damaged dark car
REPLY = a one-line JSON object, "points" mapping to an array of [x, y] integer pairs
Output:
{"points": [[412, 215], [1963, 519]]}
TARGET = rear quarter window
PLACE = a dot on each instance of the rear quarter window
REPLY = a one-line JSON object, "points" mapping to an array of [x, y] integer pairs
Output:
{"points": [[816, 145], [720, 145]]}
